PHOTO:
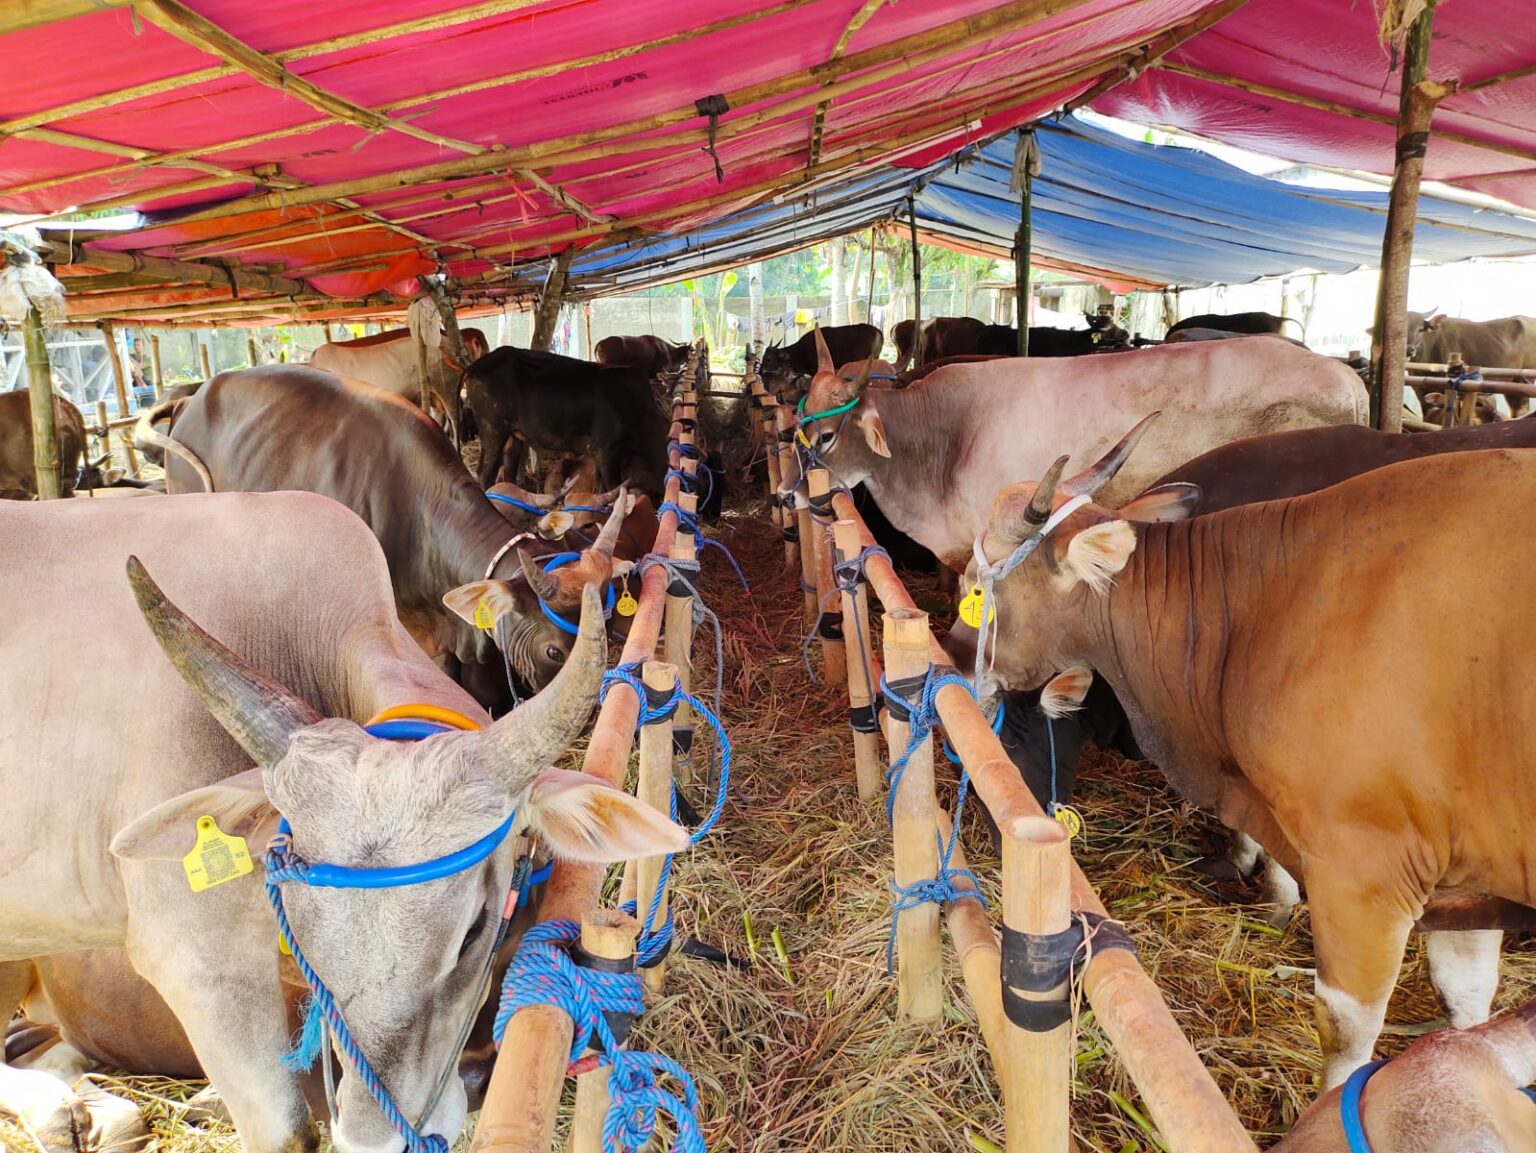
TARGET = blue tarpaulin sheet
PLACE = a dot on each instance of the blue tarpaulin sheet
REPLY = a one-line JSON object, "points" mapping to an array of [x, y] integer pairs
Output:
{"points": [[1160, 214]]}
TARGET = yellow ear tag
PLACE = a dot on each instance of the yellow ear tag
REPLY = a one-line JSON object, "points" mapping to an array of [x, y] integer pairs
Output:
{"points": [[1071, 819], [805, 440], [217, 857], [970, 608], [627, 606], [484, 617]]}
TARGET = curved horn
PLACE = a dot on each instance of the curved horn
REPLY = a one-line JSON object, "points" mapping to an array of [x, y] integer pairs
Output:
{"points": [[610, 498], [541, 500], [1091, 479], [527, 739], [545, 587], [255, 709], [1039, 510], [823, 355], [609, 537]]}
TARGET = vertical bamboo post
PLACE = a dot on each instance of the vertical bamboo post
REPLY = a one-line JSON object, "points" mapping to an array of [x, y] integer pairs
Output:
{"points": [[156, 368], [834, 658], [586, 324], [917, 285], [119, 373], [805, 530], [654, 787], [204, 355], [677, 639], [1416, 108], [914, 821], [423, 371], [251, 352], [1037, 901], [1024, 240], [607, 935], [784, 422], [104, 441], [45, 432], [863, 671]]}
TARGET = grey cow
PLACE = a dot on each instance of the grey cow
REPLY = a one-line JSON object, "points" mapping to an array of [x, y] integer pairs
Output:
{"points": [[104, 790]]}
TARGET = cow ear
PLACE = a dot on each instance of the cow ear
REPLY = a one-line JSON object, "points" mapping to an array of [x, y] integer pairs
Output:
{"points": [[1064, 693], [1434, 321], [874, 432], [554, 525], [1095, 555], [1166, 502], [582, 818], [482, 603], [169, 831]]}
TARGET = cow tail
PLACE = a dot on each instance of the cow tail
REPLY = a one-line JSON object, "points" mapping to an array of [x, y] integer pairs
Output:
{"points": [[146, 435]]}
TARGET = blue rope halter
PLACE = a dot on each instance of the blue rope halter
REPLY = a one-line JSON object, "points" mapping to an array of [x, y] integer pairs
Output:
{"points": [[560, 560], [284, 866], [689, 523], [922, 715], [502, 498], [1350, 1116]]}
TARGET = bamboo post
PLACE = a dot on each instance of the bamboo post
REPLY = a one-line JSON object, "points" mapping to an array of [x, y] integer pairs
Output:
{"points": [[805, 532], [677, 638], [975, 942], [1024, 241], [103, 422], [1416, 108], [119, 374], [423, 371], [834, 658], [207, 359], [917, 285], [607, 935], [45, 432], [155, 366], [586, 324], [784, 422], [920, 991], [251, 353], [1037, 901], [863, 670], [546, 314], [654, 787]]}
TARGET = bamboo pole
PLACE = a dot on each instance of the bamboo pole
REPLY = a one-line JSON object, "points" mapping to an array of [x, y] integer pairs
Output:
{"points": [[677, 639], [920, 994], [1024, 241], [1177, 1089], [654, 787], [768, 428], [119, 375], [608, 935], [45, 431], [104, 441], [834, 657], [206, 357], [547, 314], [252, 356], [173, 271], [1036, 1076], [156, 367], [805, 529], [523, 1099], [784, 421], [863, 669], [980, 959], [917, 284], [1389, 341]]}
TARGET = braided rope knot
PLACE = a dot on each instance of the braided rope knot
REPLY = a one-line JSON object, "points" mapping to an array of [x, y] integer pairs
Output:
{"points": [[638, 1099], [282, 863], [689, 523]]}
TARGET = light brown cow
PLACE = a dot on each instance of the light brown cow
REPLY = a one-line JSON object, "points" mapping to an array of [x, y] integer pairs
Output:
{"points": [[388, 360], [1268, 657]]}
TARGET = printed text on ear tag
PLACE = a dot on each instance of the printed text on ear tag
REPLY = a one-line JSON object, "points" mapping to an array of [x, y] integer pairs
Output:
{"points": [[1070, 818], [627, 606], [484, 617], [970, 608], [217, 857]]}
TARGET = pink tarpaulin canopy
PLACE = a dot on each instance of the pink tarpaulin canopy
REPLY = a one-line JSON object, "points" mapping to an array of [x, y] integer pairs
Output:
{"points": [[345, 148]]}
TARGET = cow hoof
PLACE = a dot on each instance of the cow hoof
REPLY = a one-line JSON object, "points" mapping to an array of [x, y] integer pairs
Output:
{"points": [[1278, 916], [1217, 869], [116, 1124], [206, 1107]]}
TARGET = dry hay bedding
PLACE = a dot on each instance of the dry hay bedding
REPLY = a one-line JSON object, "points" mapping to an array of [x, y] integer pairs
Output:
{"points": [[803, 1052]]}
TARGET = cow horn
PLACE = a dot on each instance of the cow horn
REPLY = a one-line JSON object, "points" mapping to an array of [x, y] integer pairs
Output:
{"points": [[255, 709], [610, 498], [544, 586], [531, 736], [565, 490], [609, 537], [537, 499], [1090, 480], [823, 354], [1039, 510]]}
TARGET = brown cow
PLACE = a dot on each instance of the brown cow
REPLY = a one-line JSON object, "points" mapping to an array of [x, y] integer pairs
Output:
{"points": [[650, 354], [18, 479], [943, 336], [1264, 655]]}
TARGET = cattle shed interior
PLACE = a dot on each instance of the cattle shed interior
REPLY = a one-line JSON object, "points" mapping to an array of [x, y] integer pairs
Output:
{"points": [[221, 164]]}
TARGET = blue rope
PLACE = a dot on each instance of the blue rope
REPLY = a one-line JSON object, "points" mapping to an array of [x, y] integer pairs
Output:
{"points": [[689, 484], [941, 889], [542, 973], [656, 939], [687, 520], [997, 727]]}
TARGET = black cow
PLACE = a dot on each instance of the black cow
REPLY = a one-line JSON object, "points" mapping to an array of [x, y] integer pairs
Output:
{"points": [[1101, 334], [18, 481], [557, 404], [1251, 323], [846, 342]]}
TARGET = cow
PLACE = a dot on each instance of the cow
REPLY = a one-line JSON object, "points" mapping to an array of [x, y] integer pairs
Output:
{"points": [[848, 343], [291, 427], [1187, 334], [923, 371], [388, 360], [1101, 335], [650, 354], [1454, 1091], [1248, 471], [273, 640], [521, 398], [18, 478], [1506, 343], [943, 336], [577, 516], [1264, 654], [933, 453], [166, 409], [1248, 323]]}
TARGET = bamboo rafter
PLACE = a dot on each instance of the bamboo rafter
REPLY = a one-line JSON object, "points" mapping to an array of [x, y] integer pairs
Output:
{"points": [[855, 22]]}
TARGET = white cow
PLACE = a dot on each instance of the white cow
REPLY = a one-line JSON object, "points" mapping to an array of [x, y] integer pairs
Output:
{"points": [[388, 360], [107, 790]]}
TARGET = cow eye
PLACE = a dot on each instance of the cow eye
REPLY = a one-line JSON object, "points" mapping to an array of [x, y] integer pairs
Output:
{"points": [[474, 931], [554, 653]]}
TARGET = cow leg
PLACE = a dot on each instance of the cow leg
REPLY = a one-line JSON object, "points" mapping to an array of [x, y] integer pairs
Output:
{"points": [[15, 982], [229, 1000], [1281, 892], [493, 437], [1464, 968], [1359, 931]]}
